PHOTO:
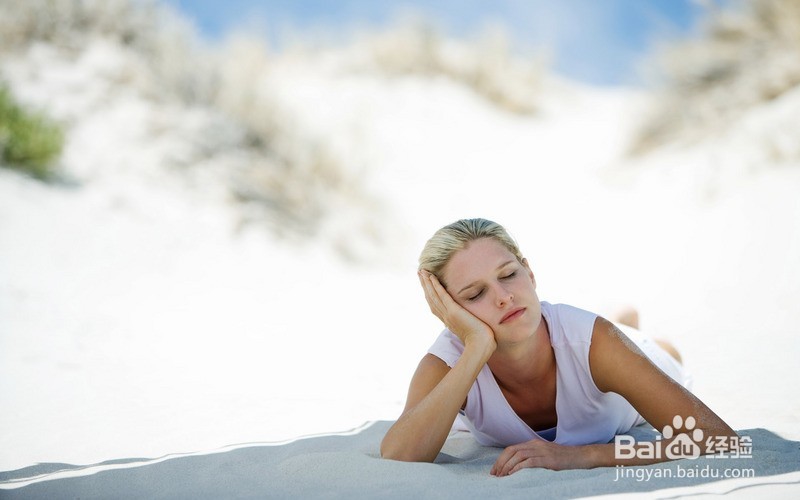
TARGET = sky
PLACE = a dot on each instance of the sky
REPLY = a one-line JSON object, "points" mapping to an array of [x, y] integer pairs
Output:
{"points": [[599, 42]]}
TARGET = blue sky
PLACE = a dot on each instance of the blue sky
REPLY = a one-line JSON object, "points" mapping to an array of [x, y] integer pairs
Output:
{"points": [[599, 42]]}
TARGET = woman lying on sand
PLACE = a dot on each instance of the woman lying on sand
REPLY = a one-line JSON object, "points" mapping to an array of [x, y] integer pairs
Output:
{"points": [[552, 383]]}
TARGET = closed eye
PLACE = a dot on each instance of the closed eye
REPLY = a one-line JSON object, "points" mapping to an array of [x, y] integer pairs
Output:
{"points": [[480, 292]]}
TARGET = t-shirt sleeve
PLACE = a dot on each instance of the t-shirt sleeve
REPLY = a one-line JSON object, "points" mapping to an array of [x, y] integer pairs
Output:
{"points": [[574, 325], [447, 347]]}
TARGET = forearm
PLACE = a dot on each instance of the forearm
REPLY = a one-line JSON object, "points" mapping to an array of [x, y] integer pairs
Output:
{"points": [[607, 455], [419, 434], [628, 452]]}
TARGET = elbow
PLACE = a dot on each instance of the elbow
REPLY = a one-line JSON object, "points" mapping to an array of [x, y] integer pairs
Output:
{"points": [[395, 451], [390, 452]]}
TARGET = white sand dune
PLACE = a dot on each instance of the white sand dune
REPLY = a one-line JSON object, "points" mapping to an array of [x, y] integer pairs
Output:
{"points": [[135, 321]]}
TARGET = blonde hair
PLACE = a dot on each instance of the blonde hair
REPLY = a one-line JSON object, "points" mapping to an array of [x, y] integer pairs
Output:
{"points": [[456, 236]]}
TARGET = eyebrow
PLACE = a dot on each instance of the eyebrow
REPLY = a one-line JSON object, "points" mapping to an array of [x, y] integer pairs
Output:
{"points": [[501, 266]]}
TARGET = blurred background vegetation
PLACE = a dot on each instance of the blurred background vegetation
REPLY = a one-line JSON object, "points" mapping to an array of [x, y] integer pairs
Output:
{"points": [[29, 141], [748, 55], [283, 176]]}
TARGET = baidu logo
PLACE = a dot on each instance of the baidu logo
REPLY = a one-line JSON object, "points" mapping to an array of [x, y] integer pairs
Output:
{"points": [[683, 446], [687, 443]]}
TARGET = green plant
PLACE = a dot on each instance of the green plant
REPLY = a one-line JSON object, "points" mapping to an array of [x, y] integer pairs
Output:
{"points": [[29, 142]]}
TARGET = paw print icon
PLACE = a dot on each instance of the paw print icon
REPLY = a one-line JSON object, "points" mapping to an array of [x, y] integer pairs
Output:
{"points": [[685, 445]]}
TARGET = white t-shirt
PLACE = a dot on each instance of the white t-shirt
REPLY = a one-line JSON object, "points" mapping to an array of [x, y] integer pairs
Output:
{"points": [[585, 414]]}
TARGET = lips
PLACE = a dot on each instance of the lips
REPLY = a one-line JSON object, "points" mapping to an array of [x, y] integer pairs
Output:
{"points": [[512, 314]]}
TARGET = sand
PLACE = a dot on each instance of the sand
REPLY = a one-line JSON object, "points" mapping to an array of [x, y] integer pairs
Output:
{"points": [[138, 322], [348, 465]]}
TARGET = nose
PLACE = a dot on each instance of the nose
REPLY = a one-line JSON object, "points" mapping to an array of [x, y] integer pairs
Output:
{"points": [[504, 297]]}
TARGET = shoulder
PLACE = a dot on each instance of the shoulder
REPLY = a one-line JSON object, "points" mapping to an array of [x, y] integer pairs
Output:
{"points": [[430, 371], [610, 352], [447, 347], [619, 366], [568, 324]]}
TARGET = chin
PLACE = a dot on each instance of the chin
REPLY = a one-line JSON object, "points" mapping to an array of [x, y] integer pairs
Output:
{"points": [[520, 332]]}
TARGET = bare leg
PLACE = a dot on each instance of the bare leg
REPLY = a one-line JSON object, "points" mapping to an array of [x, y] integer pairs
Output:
{"points": [[628, 315], [670, 349]]}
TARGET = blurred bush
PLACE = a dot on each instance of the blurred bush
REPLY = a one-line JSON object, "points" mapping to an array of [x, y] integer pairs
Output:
{"points": [[748, 55], [147, 27], [29, 142], [208, 106], [68, 22], [485, 64]]}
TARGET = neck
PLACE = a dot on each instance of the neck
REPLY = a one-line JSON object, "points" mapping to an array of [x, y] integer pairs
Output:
{"points": [[524, 362]]}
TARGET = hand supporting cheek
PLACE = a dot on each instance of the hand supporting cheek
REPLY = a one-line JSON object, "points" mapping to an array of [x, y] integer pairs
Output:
{"points": [[468, 327]]}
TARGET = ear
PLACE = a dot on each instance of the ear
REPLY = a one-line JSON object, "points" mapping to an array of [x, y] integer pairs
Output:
{"points": [[530, 272]]}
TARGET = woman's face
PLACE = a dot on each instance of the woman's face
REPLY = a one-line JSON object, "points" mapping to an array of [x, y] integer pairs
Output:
{"points": [[488, 281]]}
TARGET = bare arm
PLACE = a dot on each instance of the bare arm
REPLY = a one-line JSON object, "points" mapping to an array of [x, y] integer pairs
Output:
{"points": [[437, 392], [618, 365], [434, 398]]}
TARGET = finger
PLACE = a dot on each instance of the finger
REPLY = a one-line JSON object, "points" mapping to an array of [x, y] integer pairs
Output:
{"points": [[431, 296], [441, 291], [508, 465], [436, 284], [423, 281], [498, 464], [511, 463], [438, 291], [502, 460], [525, 464], [426, 284]]}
